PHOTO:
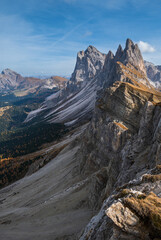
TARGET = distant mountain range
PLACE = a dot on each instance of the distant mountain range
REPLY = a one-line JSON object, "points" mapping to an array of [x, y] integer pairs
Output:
{"points": [[41, 76], [11, 81]]}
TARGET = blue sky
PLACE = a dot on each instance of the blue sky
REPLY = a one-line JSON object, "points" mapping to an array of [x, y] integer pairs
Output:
{"points": [[43, 37]]}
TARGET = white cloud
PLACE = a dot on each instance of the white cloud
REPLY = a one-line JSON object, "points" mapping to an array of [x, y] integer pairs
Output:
{"points": [[146, 47]]}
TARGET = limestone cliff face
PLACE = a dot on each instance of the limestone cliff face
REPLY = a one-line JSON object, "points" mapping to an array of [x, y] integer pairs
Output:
{"points": [[89, 63], [128, 156], [118, 115], [124, 137]]}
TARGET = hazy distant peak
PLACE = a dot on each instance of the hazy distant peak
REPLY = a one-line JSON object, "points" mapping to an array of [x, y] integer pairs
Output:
{"points": [[8, 71]]}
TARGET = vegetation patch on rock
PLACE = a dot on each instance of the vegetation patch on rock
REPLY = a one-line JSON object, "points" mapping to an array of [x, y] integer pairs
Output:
{"points": [[148, 210]]}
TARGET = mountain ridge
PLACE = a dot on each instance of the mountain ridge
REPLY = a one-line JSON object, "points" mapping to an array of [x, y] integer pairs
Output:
{"points": [[87, 80], [11, 80]]}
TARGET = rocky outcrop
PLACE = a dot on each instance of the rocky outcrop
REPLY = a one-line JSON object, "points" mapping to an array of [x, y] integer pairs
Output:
{"points": [[135, 211], [124, 218], [131, 212]]}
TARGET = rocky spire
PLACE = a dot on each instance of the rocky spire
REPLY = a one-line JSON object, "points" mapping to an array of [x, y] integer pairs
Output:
{"points": [[108, 62], [119, 53], [129, 44], [110, 55], [132, 55], [91, 49]]}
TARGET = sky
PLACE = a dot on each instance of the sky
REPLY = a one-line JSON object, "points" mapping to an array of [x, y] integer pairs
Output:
{"points": [[42, 37]]}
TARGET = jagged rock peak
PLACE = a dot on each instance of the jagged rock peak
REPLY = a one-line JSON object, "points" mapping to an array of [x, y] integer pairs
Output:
{"points": [[119, 52], [91, 49], [108, 62], [110, 55], [8, 71], [129, 43], [133, 56], [129, 57]]}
